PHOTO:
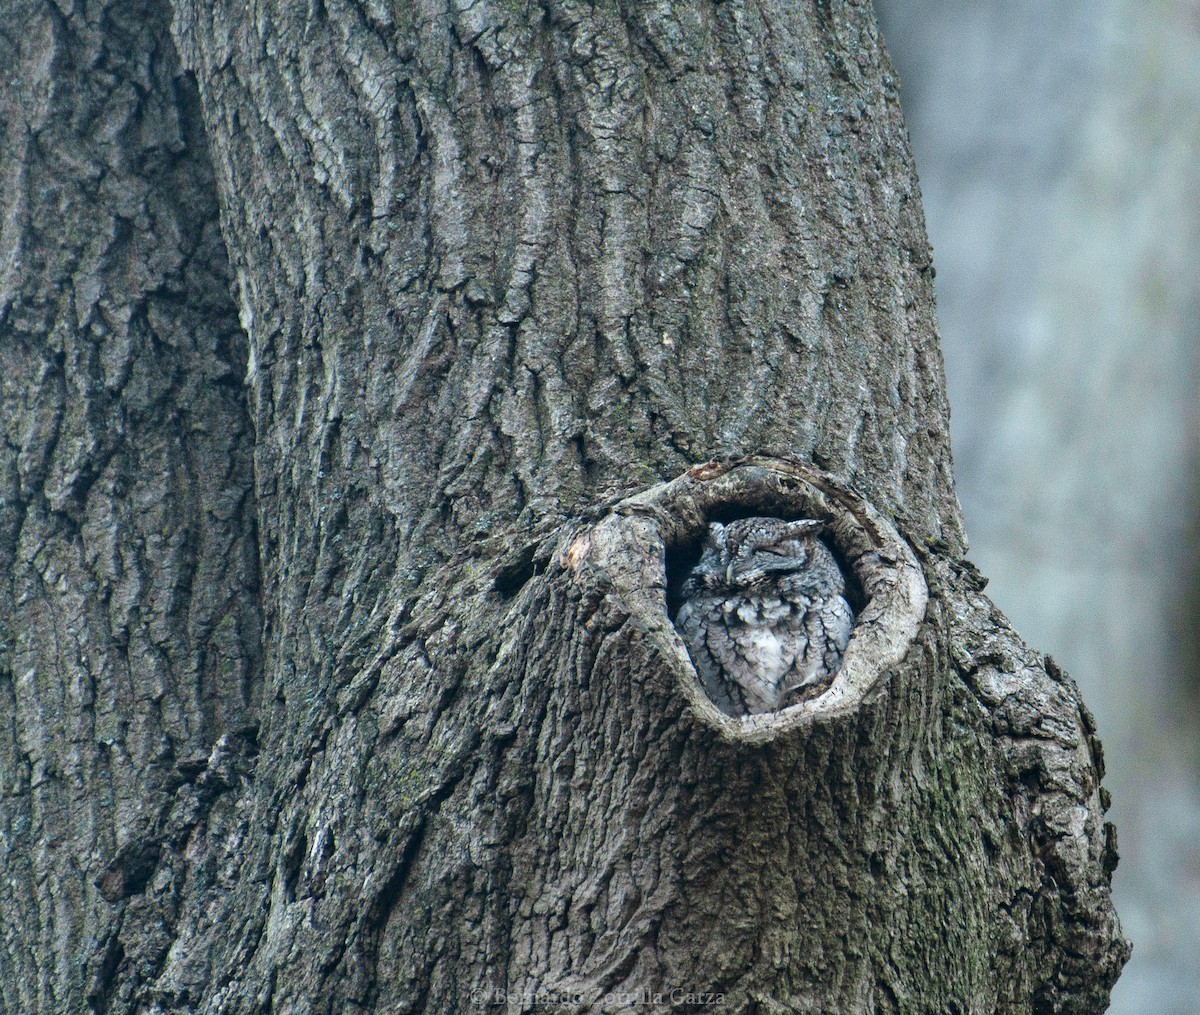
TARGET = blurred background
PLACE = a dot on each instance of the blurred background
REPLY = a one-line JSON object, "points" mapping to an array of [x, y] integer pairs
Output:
{"points": [[1058, 147]]}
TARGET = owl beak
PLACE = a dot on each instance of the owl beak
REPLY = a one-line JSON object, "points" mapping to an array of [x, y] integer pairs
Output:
{"points": [[729, 574]]}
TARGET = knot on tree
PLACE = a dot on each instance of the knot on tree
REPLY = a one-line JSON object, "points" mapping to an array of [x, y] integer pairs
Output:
{"points": [[788, 598]]}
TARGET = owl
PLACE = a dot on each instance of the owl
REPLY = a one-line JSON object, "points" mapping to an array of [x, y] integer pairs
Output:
{"points": [[765, 615]]}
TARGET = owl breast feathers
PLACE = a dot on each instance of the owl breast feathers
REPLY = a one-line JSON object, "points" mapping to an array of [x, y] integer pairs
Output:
{"points": [[765, 616]]}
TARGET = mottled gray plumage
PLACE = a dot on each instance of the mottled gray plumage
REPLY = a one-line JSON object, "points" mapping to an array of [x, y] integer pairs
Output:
{"points": [[764, 616]]}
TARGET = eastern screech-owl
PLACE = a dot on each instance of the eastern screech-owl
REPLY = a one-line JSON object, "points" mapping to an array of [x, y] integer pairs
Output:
{"points": [[765, 616]]}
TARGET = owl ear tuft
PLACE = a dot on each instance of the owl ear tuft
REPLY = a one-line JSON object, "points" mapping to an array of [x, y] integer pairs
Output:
{"points": [[805, 528], [715, 531]]}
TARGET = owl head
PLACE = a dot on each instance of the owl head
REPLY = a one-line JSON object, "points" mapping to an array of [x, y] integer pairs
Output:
{"points": [[756, 554]]}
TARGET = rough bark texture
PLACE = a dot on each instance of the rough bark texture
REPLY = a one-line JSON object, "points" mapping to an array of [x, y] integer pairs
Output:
{"points": [[129, 603], [394, 718]]}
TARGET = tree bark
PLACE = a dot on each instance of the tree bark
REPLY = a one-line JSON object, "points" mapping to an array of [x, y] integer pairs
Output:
{"points": [[354, 686]]}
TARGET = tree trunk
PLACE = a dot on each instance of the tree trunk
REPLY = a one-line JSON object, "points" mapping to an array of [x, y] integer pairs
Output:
{"points": [[354, 686]]}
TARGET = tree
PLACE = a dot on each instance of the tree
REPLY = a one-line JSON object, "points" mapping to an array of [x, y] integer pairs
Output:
{"points": [[361, 365]]}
